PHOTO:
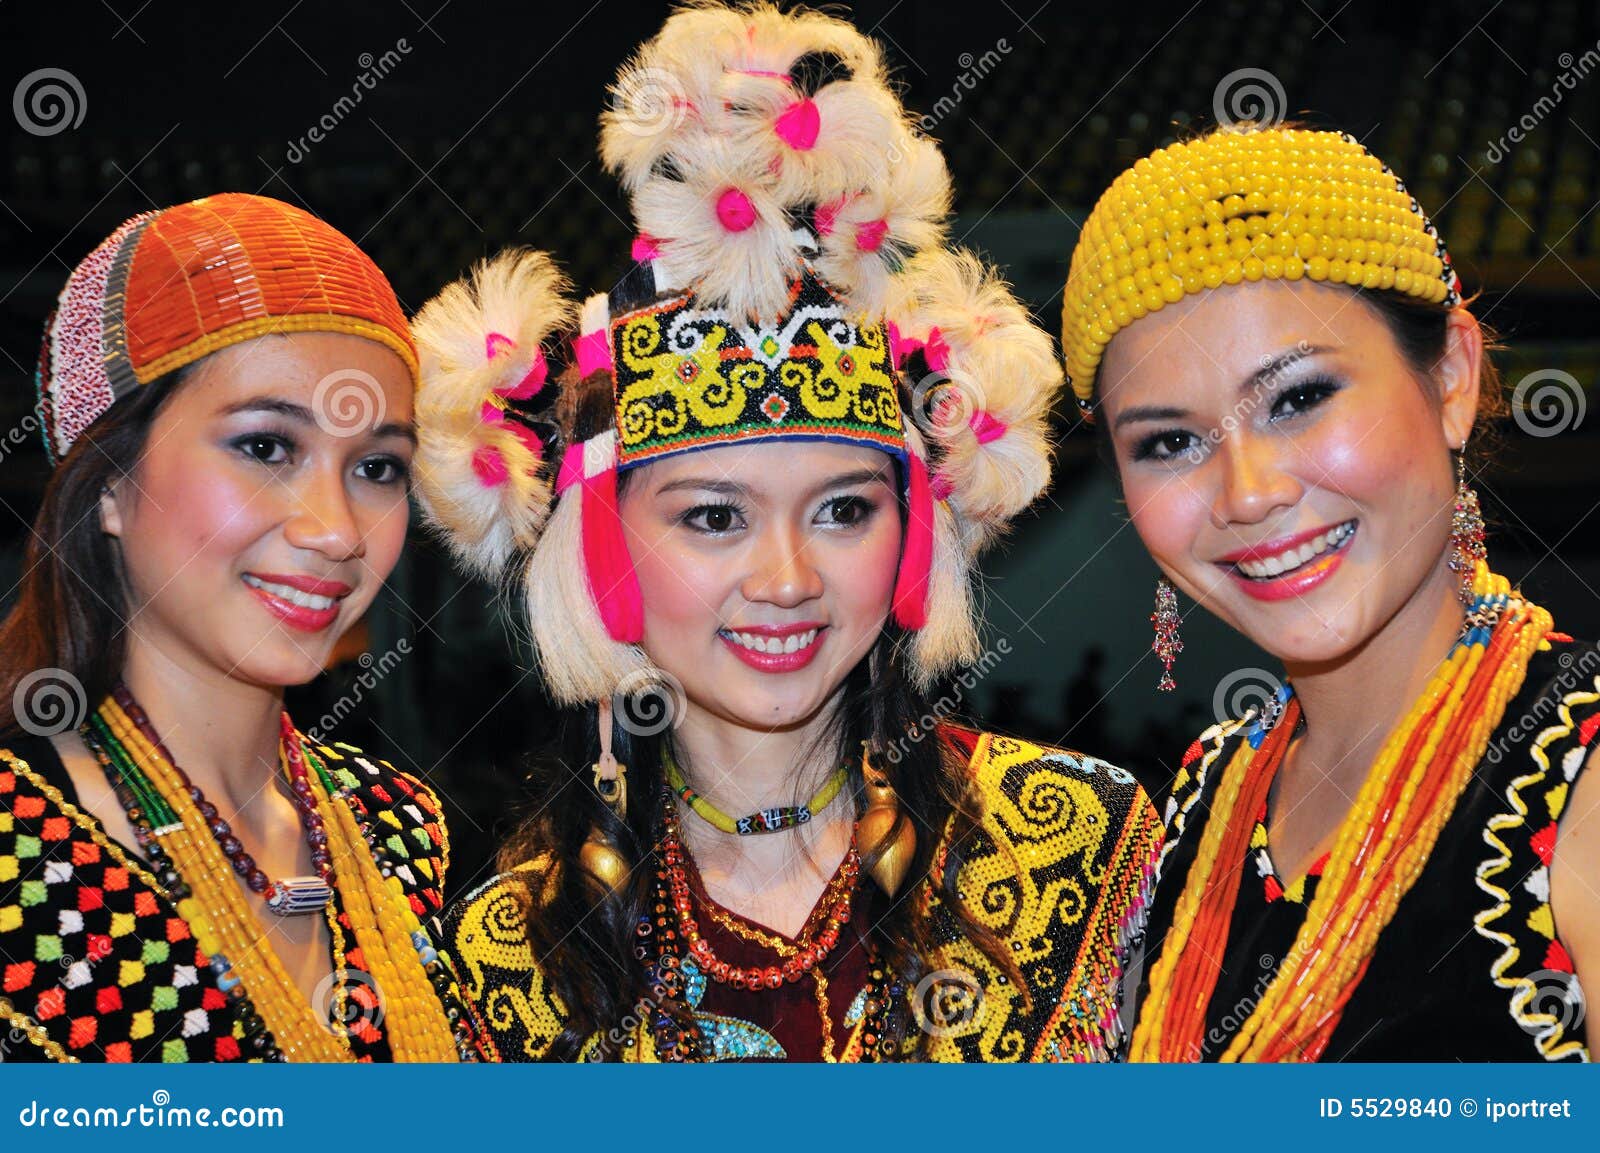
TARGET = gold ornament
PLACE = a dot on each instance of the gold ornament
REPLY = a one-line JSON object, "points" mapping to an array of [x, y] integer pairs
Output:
{"points": [[886, 837]]}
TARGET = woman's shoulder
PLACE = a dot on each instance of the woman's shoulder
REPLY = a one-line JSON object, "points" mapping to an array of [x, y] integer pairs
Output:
{"points": [[1062, 871], [1029, 779], [483, 935], [406, 815]]}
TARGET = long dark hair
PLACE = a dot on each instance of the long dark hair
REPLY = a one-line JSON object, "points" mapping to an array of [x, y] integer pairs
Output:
{"points": [[71, 609], [584, 941]]}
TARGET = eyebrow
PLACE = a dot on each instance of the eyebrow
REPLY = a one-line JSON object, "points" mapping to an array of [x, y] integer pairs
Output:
{"points": [[1269, 368], [303, 415], [734, 488]]}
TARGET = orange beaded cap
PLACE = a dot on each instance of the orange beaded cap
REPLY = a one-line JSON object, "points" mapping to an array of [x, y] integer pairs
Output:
{"points": [[1242, 204], [172, 286]]}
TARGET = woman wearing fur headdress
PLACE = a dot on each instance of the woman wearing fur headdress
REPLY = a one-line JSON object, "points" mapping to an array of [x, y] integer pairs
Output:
{"points": [[755, 488]]}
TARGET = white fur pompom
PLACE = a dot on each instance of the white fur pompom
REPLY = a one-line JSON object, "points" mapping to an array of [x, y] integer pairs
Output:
{"points": [[1004, 373], [865, 238], [721, 231], [818, 147], [481, 481]]}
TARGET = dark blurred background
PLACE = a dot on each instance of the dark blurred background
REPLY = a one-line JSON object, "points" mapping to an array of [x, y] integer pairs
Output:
{"points": [[475, 129]]}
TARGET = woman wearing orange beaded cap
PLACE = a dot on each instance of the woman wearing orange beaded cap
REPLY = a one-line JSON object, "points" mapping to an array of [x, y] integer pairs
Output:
{"points": [[225, 391], [1391, 859], [717, 491]]}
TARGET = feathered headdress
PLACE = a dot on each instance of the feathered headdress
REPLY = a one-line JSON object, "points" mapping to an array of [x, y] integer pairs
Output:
{"points": [[788, 281]]}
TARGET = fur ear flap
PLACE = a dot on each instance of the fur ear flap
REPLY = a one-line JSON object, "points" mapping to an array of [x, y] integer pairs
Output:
{"points": [[481, 479]]}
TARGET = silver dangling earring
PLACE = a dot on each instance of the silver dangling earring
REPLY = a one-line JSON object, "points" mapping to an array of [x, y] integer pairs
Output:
{"points": [[1167, 645], [1466, 533]]}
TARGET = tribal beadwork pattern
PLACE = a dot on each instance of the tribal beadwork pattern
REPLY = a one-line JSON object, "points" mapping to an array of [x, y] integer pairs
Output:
{"points": [[1062, 872], [690, 377], [93, 952]]}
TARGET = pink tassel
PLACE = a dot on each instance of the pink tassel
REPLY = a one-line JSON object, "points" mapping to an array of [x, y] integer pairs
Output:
{"points": [[798, 125], [612, 581], [593, 352], [916, 562], [490, 413], [645, 247], [936, 351]]}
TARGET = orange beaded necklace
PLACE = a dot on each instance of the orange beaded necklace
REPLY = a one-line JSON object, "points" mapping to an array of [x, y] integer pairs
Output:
{"points": [[1381, 849]]}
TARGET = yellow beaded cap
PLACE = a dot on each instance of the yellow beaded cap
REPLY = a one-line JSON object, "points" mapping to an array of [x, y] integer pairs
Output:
{"points": [[1244, 203]]}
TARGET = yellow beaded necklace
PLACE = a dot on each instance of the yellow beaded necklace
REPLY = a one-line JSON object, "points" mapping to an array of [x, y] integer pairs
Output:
{"points": [[225, 924], [1382, 846]]}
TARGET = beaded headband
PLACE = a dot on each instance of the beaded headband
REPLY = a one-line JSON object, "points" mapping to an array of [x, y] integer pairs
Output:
{"points": [[1244, 203], [169, 287], [789, 282]]}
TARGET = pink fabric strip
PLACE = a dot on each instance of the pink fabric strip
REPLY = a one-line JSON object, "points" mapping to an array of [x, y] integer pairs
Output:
{"points": [[593, 352]]}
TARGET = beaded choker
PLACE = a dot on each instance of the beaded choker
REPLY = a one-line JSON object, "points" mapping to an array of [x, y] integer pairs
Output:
{"points": [[765, 820], [1382, 846], [197, 873]]}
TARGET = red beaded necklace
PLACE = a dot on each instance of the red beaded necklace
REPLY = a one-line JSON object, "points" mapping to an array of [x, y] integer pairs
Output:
{"points": [[816, 940]]}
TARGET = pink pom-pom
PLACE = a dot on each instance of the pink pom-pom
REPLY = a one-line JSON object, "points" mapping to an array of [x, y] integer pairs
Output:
{"points": [[916, 562], [939, 487], [936, 351], [826, 215], [645, 247], [986, 427], [869, 236], [495, 342], [490, 466], [799, 125], [491, 413], [735, 211]]}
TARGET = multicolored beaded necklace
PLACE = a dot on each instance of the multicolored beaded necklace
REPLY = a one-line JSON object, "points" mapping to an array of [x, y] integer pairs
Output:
{"points": [[1382, 846], [765, 820], [166, 810], [669, 936]]}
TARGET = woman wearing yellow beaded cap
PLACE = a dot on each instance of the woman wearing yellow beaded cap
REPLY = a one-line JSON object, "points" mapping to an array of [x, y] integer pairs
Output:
{"points": [[1394, 858]]}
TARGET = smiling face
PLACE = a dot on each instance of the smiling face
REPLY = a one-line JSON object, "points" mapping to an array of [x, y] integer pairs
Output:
{"points": [[766, 572], [268, 506], [1285, 464]]}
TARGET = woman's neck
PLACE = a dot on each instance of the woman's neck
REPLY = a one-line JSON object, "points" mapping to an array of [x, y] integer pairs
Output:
{"points": [[1352, 705], [740, 771], [223, 732]]}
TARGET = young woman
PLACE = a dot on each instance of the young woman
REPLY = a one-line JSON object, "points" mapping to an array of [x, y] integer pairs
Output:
{"points": [[787, 855], [1396, 859], [226, 392]]}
